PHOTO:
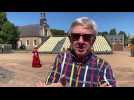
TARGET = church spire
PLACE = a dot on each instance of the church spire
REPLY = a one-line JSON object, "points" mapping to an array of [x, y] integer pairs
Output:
{"points": [[44, 27]]}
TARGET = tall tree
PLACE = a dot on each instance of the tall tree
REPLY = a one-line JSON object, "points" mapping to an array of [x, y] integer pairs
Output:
{"points": [[3, 19], [103, 33], [113, 31], [56, 32], [8, 31]]}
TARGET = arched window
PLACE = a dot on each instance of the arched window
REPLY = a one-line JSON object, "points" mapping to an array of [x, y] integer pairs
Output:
{"points": [[27, 42], [35, 42]]}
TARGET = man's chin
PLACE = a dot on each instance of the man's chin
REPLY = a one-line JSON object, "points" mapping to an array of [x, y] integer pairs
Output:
{"points": [[80, 53]]}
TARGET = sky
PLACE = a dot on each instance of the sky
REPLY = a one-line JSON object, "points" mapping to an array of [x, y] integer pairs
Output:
{"points": [[121, 21]]}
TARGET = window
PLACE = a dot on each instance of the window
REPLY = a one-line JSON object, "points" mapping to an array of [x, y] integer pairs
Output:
{"points": [[27, 42], [120, 40], [35, 42]]}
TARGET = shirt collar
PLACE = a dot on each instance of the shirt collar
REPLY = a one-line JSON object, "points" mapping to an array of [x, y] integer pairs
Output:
{"points": [[85, 58]]}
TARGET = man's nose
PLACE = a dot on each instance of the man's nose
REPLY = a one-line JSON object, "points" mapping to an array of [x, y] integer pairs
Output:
{"points": [[81, 39]]}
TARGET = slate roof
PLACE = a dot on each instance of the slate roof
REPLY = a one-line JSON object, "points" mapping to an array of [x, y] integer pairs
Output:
{"points": [[29, 30]]}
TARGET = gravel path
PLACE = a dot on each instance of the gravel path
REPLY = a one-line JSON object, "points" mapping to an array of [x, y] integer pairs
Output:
{"points": [[16, 69]]}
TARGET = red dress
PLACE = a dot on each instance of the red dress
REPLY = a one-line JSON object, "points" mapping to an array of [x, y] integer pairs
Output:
{"points": [[36, 59]]}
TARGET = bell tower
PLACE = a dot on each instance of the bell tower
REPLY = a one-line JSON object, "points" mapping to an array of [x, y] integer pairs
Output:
{"points": [[44, 27]]}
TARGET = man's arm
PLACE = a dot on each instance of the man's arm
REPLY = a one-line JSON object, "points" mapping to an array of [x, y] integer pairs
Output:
{"points": [[52, 78], [106, 75], [53, 74], [62, 83]]}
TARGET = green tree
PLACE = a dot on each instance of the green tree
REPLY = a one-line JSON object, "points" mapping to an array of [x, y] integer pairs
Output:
{"points": [[3, 19], [103, 33], [8, 31], [113, 31], [56, 32]]}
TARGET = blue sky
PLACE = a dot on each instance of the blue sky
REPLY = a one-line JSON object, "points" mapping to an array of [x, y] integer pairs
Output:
{"points": [[122, 21]]}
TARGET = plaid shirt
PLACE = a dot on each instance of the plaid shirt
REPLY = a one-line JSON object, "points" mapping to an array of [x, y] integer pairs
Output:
{"points": [[86, 74]]}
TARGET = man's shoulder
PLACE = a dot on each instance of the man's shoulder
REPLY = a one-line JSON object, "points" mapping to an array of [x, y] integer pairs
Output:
{"points": [[61, 55], [102, 61]]}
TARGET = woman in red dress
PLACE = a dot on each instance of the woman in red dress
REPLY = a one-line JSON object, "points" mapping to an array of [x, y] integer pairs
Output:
{"points": [[36, 59]]}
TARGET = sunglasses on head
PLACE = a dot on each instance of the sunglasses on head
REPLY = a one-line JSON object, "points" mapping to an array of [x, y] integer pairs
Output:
{"points": [[86, 37]]}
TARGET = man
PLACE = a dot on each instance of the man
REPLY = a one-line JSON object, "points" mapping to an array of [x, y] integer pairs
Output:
{"points": [[79, 67]]}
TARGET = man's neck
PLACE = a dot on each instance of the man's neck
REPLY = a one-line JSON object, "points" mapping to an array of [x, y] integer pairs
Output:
{"points": [[80, 59]]}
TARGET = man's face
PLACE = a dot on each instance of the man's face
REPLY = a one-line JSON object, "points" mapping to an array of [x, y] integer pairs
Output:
{"points": [[81, 40]]}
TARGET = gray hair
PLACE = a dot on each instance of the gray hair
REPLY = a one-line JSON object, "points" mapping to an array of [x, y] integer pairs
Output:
{"points": [[84, 21]]}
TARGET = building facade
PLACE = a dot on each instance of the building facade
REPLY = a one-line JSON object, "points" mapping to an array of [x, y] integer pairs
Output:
{"points": [[33, 35], [116, 41]]}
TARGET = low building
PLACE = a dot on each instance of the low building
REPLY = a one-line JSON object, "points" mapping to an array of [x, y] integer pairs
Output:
{"points": [[116, 41]]}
